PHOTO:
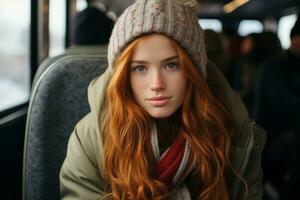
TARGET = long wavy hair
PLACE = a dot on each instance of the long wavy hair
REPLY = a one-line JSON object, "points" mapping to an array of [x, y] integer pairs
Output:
{"points": [[128, 157]]}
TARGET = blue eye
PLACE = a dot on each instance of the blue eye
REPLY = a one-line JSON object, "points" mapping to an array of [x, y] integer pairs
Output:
{"points": [[172, 65], [139, 68]]}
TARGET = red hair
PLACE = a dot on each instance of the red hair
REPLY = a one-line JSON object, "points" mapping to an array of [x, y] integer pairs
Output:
{"points": [[128, 157]]}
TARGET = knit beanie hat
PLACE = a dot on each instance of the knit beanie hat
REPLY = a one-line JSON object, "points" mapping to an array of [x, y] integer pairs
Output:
{"points": [[176, 19]]}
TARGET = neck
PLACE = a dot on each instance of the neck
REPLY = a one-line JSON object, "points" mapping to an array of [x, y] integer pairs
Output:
{"points": [[167, 129], [168, 123]]}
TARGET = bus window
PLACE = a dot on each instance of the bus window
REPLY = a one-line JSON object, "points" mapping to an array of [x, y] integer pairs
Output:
{"points": [[57, 27], [212, 24], [284, 28], [250, 26], [14, 53]]}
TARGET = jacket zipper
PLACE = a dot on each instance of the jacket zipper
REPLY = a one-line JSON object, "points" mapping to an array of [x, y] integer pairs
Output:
{"points": [[249, 147], [245, 156]]}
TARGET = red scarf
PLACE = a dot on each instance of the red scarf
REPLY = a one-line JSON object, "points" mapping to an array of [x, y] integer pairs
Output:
{"points": [[175, 163]]}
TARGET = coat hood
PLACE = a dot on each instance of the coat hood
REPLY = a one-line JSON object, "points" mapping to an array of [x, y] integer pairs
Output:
{"points": [[96, 93]]}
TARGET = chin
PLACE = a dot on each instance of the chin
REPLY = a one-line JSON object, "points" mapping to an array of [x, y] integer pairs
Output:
{"points": [[161, 114]]}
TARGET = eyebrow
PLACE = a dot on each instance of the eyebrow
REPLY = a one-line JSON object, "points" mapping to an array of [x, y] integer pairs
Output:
{"points": [[144, 62]]}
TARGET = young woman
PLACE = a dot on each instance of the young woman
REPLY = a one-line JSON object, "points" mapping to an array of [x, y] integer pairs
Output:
{"points": [[163, 124]]}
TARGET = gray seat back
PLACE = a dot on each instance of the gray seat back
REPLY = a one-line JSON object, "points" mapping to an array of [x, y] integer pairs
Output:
{"points": [[58, 101]]}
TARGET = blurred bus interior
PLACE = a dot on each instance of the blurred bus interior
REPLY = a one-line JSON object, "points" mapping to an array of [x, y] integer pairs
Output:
{"points": [[34, 30]]}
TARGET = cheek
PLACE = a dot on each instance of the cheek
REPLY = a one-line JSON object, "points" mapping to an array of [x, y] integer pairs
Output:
{"points": [[136, 87], [183, 90], [181, 83]]}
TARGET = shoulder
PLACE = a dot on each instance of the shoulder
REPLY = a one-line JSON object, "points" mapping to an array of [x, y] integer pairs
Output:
{"points": [[246, 150], [230, 98], [247, 135], [245, 158], [81, 175], [252, 135], [84, 142]]}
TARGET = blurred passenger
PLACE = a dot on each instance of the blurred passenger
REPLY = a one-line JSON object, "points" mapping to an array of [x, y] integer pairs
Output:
{"points": [[270, 45], [243, 73], [278, 112], [92, 26], [233, 41], [256, 49], [233, 45], [216, 51]]}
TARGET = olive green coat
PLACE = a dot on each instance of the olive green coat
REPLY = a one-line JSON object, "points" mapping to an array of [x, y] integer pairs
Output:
{"points": [[81, 174]]}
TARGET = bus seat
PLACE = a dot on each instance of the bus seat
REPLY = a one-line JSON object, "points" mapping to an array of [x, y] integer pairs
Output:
{"points": [[100, 50], [58, 100], [87, 49], [43, 66]]}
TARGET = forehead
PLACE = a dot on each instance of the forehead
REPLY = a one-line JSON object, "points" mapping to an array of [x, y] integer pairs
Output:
{"points": [[153, 47]]}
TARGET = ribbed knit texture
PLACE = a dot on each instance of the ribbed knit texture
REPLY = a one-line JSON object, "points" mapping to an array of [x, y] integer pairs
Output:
{"points": [[174, 18]]}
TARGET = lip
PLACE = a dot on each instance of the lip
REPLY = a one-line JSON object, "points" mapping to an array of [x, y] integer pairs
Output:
{"points": [[159, 101]]}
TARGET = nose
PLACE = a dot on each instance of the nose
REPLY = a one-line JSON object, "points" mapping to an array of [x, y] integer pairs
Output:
{"points": [[157, 81]]}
